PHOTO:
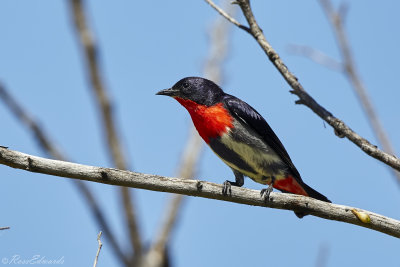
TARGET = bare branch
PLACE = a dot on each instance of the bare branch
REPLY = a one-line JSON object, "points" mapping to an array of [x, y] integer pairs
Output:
{"points": [[89, 46], [51, 150], [4, 228], [197, 188], [350, 70], [340, 127], [316, 56], [227, 16], [98, 250]]}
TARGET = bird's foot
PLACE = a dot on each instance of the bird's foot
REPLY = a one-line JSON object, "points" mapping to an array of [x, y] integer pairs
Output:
{"points": [[227, 188], [265, 192]]}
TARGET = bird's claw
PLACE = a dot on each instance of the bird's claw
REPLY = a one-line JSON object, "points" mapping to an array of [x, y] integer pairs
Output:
{"points": [[226, 188], [265, 192]]}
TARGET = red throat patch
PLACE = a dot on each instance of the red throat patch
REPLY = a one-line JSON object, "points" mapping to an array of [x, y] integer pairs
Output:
{"points": [[210, 121]]}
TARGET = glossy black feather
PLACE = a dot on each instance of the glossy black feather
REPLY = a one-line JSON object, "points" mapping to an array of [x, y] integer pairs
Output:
{"points": [[244, 112]]}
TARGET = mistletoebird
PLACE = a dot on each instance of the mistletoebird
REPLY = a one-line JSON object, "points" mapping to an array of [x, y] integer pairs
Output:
{"points": [[241, 137]]}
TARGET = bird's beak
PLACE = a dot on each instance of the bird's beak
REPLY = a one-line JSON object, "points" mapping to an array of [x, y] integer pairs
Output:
{"points": [[169, 92]]}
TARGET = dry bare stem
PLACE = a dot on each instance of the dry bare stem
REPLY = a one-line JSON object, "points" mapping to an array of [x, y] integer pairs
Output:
{"points": [[98, 249]]}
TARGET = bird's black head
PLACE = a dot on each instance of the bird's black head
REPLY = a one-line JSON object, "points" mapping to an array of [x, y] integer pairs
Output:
{"points": [[196, 89]]}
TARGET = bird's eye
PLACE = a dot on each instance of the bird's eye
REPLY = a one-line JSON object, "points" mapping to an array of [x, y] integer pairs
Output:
{"points": [[185, 85]]}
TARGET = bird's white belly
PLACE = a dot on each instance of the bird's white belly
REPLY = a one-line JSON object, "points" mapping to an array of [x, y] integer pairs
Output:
{"points": [[258, 156]]}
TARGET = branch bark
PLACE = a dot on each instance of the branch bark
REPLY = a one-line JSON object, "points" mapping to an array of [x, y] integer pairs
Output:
{"points": [[203, 189], [341, 129], [90, 48]]}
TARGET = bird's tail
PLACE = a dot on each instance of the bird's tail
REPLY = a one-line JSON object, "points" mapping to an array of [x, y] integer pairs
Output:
{"points": [[314, 194]]}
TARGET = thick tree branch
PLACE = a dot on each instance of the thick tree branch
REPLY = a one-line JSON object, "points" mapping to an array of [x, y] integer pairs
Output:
{"points": [[203, 189], [89, 46], [5, 228], [341, 129], [50, 149], [350, 70]]}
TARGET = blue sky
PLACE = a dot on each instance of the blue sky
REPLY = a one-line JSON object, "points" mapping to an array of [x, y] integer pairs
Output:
{"points": [[146, 46]]}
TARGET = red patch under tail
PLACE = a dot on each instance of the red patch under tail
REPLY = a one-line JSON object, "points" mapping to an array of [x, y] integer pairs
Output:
{"points": [[289, 184]]}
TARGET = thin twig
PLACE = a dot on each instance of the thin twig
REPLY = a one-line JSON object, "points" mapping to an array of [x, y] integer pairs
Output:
{"points": [[98, 250], [315, 55], [90, 48], [350, 70], [203, 189], [341, 129], [4, 228], [227, 16], [50, 149]]}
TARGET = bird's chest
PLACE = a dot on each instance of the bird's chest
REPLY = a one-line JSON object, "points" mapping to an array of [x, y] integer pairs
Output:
{"points": [[210, 122]]}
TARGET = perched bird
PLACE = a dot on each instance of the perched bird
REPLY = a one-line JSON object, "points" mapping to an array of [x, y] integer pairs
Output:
{"points": [[241, 137]]}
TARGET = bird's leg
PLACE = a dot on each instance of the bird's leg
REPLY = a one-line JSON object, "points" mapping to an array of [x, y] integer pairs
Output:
{"points": [[239, 181], [265, 192]]}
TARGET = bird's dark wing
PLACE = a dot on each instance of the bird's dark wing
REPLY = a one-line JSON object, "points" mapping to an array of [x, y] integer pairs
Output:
{"points": [[248, 115]]}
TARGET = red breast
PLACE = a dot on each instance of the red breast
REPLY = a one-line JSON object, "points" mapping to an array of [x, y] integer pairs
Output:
{"points": [[211, 121]]}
